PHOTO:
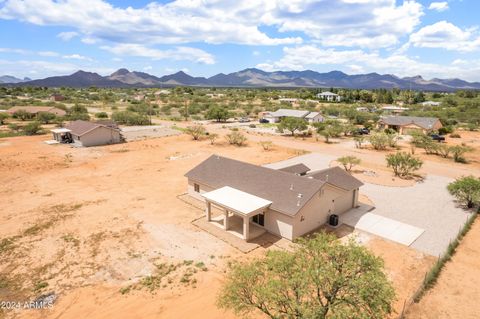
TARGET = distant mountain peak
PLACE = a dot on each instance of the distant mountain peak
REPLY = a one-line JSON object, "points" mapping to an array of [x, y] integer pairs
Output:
{"points": [[121, 71]]}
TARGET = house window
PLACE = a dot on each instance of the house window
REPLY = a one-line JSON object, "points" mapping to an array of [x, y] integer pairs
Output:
{"points": [[196, 187], [259, 219]]}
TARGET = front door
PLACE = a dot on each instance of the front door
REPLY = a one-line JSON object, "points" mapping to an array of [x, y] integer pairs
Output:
{"points": [[259, 219]]}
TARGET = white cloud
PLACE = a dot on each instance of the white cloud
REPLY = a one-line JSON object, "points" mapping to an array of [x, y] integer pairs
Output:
{"points": [[48, 53], [67, 36], [439, 6], [447, 36], [366, 23], [356, 61], [76, 57], [178, 53]]}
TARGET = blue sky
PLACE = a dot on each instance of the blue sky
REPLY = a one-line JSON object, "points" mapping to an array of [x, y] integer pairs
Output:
{"points": [[42, 38]]}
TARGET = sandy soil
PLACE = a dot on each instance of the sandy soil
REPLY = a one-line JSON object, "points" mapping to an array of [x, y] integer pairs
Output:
{"points": [[89, 222], [456, 293]]}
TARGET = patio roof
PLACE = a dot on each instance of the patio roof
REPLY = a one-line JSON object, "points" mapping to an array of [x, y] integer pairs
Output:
{"points": [[236, 200], [60, 130]]}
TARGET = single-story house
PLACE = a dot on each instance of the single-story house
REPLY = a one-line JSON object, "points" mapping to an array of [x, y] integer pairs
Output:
{"points": [[57, 97], [83, 133], [281, 202], [430, 103], [34, 110], [314, 117], [329, 96], [409, 124], [278, 115], [394, 109]]}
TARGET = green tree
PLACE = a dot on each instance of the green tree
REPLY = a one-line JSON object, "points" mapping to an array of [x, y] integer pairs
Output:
{"points": [[236, 138], [196, 131], [292, 124], [329, 129], [32, 128], [321, 278], [403, 164], [379, 141], [458, 152], [46, 117], [466, 189], [101, 115], [3, 117], [349, 162], [218, 113], [22, 115]]}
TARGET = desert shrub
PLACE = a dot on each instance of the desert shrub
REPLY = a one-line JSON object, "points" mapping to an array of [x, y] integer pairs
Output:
{"points": [[359, 140], [236, 138], [196, 131], [130, 118], [266, 145], [455, 135], [46, 117], [3, 117], [379, 141], [403, 164], [23, 115], [458, 152], [33, 128], [466, 189], [445, 130], [348, 162], [101, 115], [444, 150]]}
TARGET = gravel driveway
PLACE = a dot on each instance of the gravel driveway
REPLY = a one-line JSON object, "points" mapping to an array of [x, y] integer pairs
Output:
{"points": [[426, 205]]}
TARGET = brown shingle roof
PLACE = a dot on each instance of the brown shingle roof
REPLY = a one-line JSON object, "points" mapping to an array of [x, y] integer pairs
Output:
{"points": [[424, 122], [80, 127], [37, 109], [296, 169], [270, 184], [337, 177]]}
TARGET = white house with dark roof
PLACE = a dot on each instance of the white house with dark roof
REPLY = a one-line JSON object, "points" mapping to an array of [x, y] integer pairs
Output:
{"points": [[284, 202], [329, 96], [314, 117], [278, 115]]}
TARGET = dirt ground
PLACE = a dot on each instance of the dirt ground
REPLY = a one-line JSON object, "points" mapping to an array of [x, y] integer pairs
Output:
{"points": [[456, 293], [103, 228]]}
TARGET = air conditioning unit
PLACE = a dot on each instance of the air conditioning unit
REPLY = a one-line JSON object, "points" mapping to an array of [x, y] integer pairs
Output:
{"points": [[333, 220]]}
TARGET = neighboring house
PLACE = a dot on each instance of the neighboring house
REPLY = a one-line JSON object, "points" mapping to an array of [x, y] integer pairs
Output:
{"points": [[83, 133], [277, 116], [37, 109], [394, 109], [277, 201], [329, 96], [409, 124], [362, 109], [57, 97], [288, 100], [314, 117], [430, 103]]}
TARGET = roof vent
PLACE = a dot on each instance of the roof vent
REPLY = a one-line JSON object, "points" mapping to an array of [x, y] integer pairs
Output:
{"points": [[291, 187], [326, 178], [298, 203], [299, 195]]}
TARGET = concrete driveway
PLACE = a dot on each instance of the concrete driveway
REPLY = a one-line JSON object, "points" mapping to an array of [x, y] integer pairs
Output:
{"points": [[314, 161], [426, 205]]}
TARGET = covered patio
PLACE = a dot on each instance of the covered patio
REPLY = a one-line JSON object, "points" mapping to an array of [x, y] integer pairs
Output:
{"points": [[238, 210]]}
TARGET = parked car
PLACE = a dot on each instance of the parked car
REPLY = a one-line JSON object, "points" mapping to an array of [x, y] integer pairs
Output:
{"points": [[363, 131], [438, 138], [244, 120], [264, 121]]}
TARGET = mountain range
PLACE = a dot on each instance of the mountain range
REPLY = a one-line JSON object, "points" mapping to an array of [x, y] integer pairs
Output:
{"points": [[248, 78]]}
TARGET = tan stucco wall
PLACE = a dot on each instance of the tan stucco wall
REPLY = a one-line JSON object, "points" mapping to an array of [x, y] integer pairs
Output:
{"points": [[315, 213], [100, 136]]}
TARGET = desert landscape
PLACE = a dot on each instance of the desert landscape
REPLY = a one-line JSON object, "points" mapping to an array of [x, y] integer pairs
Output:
{"points": [[107, 225]]}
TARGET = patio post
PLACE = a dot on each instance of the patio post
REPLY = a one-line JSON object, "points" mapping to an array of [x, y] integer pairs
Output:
{"points": [[226, 220], [246, 227], [208, 210]]}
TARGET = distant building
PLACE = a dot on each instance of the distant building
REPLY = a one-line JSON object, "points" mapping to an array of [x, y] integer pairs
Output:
{"points": [[362, 109], [57, 97], [394, 109], [277, 116], [84, 133], [162, 92], [409, 124], [430, 103], [329, 96], [288, 100], [37, 109], [314, 117]]}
